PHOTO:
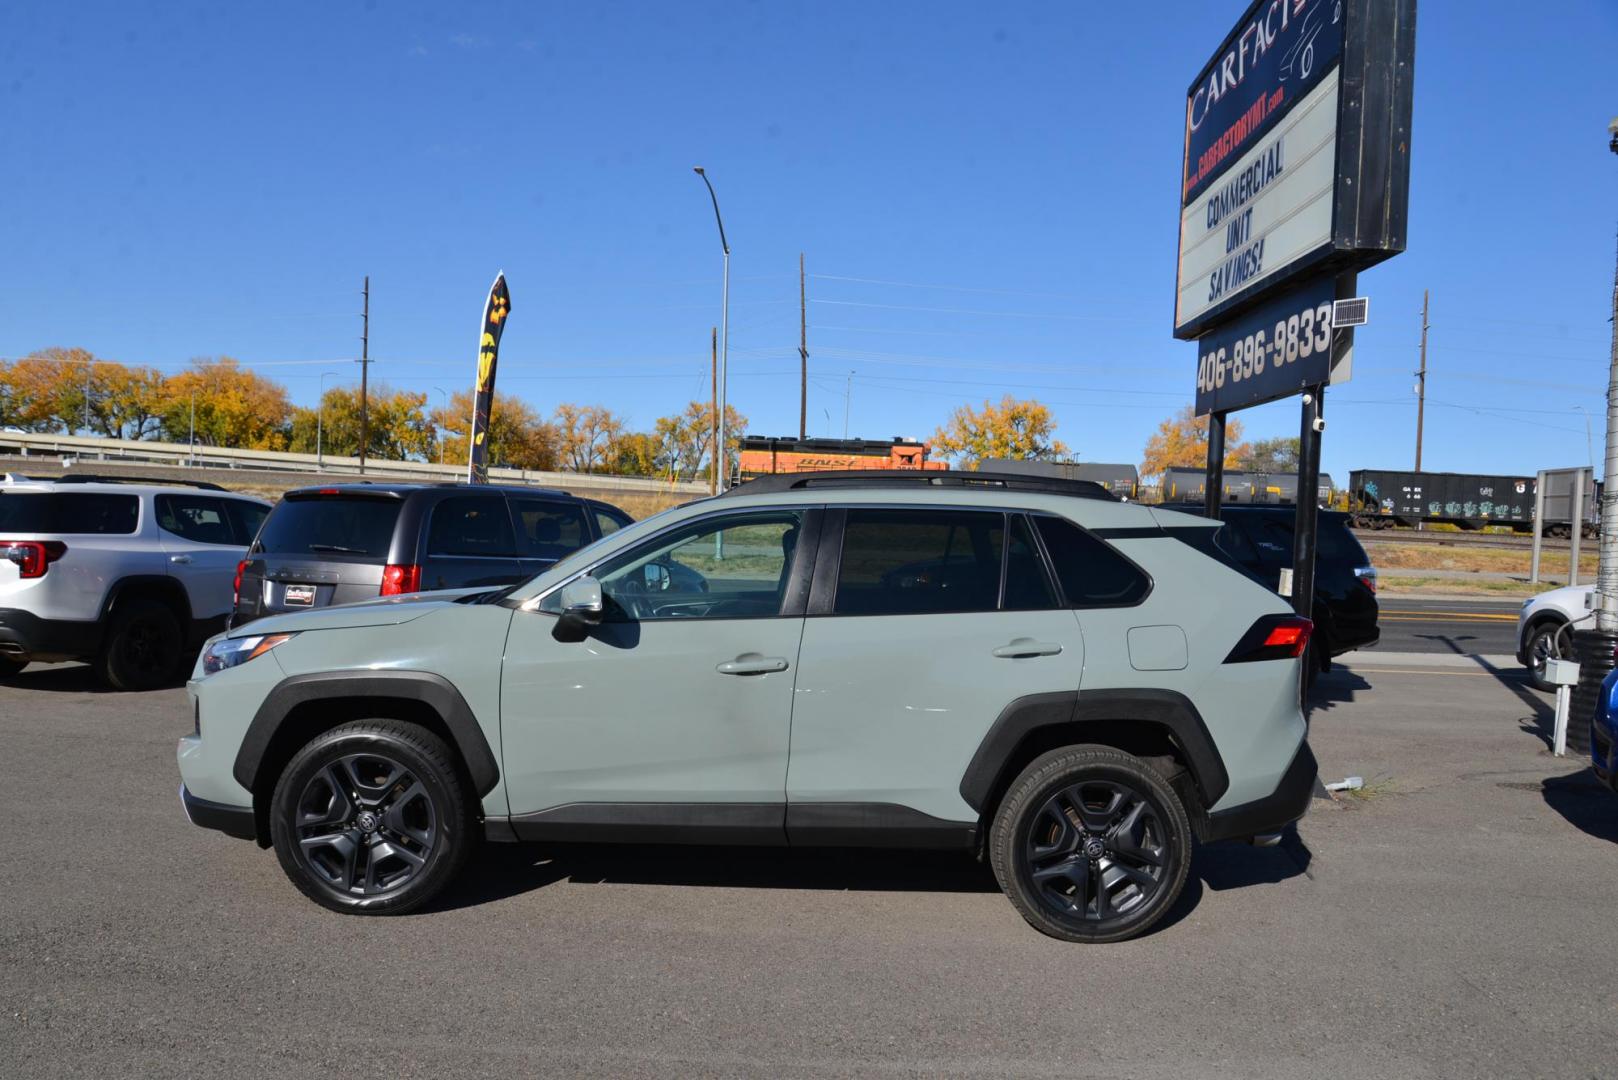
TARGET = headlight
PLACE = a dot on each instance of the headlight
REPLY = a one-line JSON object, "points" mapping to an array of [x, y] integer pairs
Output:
{"points": [[229, 652]]}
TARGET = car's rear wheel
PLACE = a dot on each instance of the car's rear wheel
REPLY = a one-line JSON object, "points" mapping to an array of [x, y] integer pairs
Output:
{"points": [[1091, 844], [1545, 641], [144, 648], [371, 818]]}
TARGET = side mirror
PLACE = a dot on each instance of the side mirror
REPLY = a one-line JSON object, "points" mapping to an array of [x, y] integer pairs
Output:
{"points": [[582, 609]]}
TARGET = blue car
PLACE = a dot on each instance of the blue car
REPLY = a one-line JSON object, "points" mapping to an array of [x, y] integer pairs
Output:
{"points": [[1604, 732]]}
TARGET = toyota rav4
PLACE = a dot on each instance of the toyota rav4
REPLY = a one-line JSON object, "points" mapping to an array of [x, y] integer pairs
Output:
{"points": [[1023, 669]]}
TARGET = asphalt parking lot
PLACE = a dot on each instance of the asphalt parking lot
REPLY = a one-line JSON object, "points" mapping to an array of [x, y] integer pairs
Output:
{"points": [[1453, 921]]}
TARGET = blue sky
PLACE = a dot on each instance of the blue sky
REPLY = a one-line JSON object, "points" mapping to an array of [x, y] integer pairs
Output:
{"points": [[986, 196]]}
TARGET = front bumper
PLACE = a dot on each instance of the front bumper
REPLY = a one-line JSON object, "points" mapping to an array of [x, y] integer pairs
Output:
{"points": [[234, 821], [1275, 811], [26, 636]]}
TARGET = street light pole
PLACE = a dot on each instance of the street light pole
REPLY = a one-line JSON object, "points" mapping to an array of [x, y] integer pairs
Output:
{"points": [[442, 394], [724, 336], [320, 421]]}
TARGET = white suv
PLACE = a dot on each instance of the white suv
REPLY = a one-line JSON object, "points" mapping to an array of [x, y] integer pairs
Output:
{"points": [[129, 576]]}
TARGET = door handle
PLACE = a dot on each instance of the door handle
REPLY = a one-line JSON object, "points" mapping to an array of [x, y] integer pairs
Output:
{"points": [[183, 560], [1024, 647], [752, 664]]}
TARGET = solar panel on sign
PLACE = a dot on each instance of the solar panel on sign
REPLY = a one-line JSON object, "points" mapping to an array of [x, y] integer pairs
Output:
{"points": [[1355, 312]]}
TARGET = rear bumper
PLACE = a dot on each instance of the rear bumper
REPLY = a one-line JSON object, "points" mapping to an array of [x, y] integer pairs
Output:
{"points": [[26, 636], [234, 821], [1270, 814]]}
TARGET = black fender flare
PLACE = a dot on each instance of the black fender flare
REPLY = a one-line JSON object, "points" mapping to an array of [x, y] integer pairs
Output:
{"points": [[436, 692], [1165, 708], [170, 587]]}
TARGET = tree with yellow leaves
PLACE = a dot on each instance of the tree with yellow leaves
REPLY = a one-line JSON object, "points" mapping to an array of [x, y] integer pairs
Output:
{"points": [[1181, 441], [234, 407], [1012, 429]]}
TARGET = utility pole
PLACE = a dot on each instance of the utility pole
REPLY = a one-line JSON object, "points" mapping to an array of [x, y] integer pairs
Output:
{"points": [[1607, 571], [1593, 649], [803, 354], [193, 437], [87, 368], [1421, 379], [365, 366], [713, 412]]}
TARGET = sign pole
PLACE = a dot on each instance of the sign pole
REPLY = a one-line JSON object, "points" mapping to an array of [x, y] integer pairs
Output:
{"points": [[1307, 520], [1214, 492]]}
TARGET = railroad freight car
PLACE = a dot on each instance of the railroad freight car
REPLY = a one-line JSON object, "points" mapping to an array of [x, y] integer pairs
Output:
{"points": [[1275, 489], [1385, 498], [764, 455], [1122, 480]]}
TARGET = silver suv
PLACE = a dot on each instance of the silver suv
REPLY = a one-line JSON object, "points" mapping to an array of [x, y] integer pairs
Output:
{"points": [[1024, 669], [129, 576]]}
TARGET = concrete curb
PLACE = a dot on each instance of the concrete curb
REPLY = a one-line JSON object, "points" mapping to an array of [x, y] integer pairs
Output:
{"points": [[1374, 658]]}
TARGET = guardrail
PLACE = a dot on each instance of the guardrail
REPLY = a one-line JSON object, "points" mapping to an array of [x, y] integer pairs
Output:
{"points": [[90, 448]]}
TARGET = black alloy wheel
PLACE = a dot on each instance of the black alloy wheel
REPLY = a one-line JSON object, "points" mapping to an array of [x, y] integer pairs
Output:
{"points": [[11, 666], [365, 825], [144, 648], [371, 818], [1095, 850], [1091, 844]]}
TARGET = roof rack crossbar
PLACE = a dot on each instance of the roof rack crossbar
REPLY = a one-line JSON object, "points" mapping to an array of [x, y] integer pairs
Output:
{"points": [[873, 478]]}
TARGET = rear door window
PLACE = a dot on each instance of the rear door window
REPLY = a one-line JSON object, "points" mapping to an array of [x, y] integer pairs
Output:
{"points": [[69, 512], [202, 519], [548, 528], [914, 562], [476, 525], [608, 521], [1092, 574], [330, 525], [246, 517]]}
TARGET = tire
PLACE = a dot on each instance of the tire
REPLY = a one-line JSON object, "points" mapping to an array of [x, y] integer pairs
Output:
{"points": [[10, 668], [371, 818], [1540, 645], [144, 649], [1097, 791]]}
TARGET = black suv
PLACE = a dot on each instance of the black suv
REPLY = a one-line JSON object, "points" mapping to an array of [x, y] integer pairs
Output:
{"points": [[336, 545], [1258, 539]]}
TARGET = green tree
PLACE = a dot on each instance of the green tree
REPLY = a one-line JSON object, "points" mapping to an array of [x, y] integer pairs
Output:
{"points": [[1279, 455], [1012, 429], [399, 429]]}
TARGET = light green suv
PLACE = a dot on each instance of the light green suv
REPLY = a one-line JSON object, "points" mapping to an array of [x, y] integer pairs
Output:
{"points": [[1027, 670]]}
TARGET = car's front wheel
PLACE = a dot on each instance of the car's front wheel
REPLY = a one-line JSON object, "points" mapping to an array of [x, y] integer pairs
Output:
{"points": [[1545, 641], [10, 667], [1091, 844], [371, 818]]}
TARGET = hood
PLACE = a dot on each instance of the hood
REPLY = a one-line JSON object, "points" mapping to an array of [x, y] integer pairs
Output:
{"points": [[383, 611]]}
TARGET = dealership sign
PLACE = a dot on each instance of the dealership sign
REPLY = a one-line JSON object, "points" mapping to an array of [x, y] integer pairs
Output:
{"points": [[1273, 350], [1296, 153]]}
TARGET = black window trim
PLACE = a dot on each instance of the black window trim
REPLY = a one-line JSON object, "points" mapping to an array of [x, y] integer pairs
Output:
{"points": [[1050, 564], [793, 601], [426, 545]]}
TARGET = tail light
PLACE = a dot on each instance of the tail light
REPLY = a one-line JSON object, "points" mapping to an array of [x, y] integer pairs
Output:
{"points": [[1274, 637], [236, 585], [398, 579], [33, 557], [1367, 576]]}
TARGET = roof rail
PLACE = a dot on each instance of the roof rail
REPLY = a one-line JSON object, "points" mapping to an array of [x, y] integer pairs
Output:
{"points": [[94, 478], [912, 478]]}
